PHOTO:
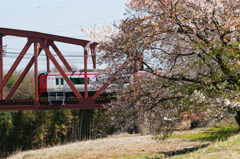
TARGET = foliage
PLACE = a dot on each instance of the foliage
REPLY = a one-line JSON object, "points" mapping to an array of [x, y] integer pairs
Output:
{"points": [[59, 126], [25, 130], [26, 88], [191, 52]]}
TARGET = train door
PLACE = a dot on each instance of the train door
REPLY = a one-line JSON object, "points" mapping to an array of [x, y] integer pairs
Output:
{"points": [[58, 94], [43, 84], [59, 83]]}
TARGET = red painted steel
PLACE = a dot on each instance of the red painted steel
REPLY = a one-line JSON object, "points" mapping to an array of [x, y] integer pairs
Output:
{"points": [[1, 66], [69, 82], [110, 80], [60, 56], [48, 64], [24, 73], [41, 42], [82, 105], [23, 33], [36, 102], [86, 53], [15, 64], [47, 58]]}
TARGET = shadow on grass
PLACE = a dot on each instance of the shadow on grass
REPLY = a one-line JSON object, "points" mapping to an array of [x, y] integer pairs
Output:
{"points": [[179, 152], [215, 134], [210, 135], [183, 151]]}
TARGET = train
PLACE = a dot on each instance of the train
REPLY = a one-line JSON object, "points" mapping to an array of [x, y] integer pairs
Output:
{"points": [[54, 87]]}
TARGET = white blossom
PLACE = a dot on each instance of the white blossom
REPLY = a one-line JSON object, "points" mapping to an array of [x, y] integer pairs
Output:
{"points": [[101, 34]]}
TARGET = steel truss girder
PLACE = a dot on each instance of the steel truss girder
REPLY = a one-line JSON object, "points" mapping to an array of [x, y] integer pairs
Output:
{"points": [[1, 66], [41, 42]]}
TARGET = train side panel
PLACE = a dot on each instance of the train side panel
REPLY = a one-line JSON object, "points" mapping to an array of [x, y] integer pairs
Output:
{"points": [[57, 83], [78, 81], [54, 82]]}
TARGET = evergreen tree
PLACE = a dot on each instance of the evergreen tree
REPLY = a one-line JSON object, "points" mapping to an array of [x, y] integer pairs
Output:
{"points": [[6, 127]]}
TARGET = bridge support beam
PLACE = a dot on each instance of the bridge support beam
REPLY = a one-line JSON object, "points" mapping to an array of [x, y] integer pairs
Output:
{"points": [[15, 64], [36, 103], [22, 76], [54, 61], [82, 105], [86, 54], [1, 67], [47, 58], [69, 68], [110, 80]]}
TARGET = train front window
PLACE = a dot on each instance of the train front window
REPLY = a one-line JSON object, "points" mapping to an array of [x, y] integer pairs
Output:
{"points": [[43, 81]]}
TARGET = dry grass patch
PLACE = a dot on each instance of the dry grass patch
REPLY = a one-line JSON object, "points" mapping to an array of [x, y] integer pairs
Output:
{"points": [[119, 146], [125, 146]]}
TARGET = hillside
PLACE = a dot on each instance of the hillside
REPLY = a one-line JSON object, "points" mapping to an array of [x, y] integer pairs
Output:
{"points": [[118, 146], [219, 141]]}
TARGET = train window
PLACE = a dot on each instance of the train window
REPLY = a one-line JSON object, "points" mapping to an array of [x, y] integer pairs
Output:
{"points": [[57, 81], [62, 81], [79, 80], [43, 81]]}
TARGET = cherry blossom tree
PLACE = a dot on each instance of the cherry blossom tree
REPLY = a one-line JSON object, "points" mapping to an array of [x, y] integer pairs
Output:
{"points": [[191, 51]]}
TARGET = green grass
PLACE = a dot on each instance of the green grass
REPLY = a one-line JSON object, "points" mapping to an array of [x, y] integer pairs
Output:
{"points": [[212, 135], [27, 156], [132, 157], [225, 138], [226, 143], [226, 149], [138, 156]]}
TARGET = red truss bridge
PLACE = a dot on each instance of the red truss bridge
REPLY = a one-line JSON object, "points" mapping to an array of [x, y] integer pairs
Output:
{"points": [[87, 98]]}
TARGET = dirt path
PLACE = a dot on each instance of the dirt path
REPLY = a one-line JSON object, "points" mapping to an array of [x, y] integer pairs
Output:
{"points": [[119, 146]]}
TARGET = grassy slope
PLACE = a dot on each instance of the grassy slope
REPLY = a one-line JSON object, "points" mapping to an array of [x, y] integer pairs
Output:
{"points": [[226, 149], [225, 144], [211, 135]]}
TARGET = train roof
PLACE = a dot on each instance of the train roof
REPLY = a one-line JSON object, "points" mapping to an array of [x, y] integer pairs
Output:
{"points": [[73, 72], [82, 72]]}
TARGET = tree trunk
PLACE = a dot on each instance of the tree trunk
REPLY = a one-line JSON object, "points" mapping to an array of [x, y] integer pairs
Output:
{"points": [[237, 117], [80, 126]]}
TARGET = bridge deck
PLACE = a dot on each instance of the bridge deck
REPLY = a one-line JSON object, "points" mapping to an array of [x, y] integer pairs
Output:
{"points": [[44, 104]]}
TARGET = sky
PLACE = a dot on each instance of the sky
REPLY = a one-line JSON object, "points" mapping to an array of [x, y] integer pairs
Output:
{"points": [[58, 17]]}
